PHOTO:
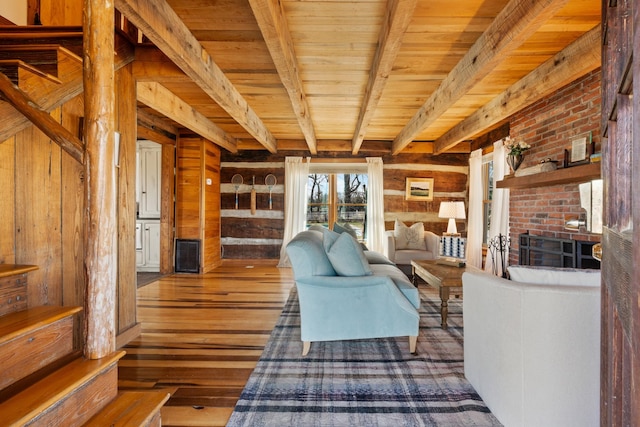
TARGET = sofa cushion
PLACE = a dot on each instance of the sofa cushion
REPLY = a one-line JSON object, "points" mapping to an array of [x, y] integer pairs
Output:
{"points": [[409, 237], [553, 275], [346, 255]]}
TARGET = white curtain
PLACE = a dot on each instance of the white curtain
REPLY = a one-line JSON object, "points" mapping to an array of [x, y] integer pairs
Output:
{"points": [[475, 221], [499, 209], [296, 176], [375, 205]]}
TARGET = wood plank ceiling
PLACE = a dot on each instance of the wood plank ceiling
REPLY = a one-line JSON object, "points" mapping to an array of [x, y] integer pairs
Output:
{"points": [[402, 74]]}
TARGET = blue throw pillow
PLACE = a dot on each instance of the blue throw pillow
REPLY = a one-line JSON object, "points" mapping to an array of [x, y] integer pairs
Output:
{"points": [[347, 228], [328, 238], [347, 257]]}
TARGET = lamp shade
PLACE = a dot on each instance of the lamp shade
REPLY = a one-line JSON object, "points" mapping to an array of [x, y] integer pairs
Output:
{"points": [[453, 211]]}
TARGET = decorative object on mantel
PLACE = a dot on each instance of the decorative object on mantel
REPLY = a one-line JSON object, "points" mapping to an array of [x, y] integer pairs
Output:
{"points": [[581, 150], [544, 166], [515, 149], [514, 161]]}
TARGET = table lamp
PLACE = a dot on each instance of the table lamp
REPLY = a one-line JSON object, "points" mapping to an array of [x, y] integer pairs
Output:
{"points": [[453, 211]]}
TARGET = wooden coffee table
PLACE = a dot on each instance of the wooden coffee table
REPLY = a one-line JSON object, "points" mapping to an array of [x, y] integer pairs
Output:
{"points": [[445, 278]]}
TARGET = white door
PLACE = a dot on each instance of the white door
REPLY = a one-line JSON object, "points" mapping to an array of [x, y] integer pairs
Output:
{"points": [[150, 173]]}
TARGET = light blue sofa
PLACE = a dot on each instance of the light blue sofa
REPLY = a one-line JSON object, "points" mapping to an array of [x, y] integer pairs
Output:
{"points": [[371, 299]]}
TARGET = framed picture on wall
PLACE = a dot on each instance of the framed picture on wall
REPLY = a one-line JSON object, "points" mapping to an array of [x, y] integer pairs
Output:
{"points": [[419, 189]]}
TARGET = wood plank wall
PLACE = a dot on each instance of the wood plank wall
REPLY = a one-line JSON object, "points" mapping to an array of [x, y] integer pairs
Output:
{"points": [[197, 201], [56, 12], [42, 209], [126, 125], [211, 206], [167, 211], [259, 236], [72, 194], [7, 195]]}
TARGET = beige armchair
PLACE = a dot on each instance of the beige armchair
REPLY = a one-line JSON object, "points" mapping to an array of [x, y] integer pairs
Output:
{"points": [[403, 257]]}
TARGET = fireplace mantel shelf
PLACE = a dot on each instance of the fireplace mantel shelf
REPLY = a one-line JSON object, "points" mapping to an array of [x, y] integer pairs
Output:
{"points": [[575, 174]]}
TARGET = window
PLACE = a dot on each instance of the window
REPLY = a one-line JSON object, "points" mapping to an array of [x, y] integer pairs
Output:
{"points": [[487, 185], [338, 197]]}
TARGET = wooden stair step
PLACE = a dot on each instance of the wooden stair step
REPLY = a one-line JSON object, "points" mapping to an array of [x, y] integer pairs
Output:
{"points": [[15, 68], [40, 335], [23, 322], [132, 408], [44, 57], [69, 396]]}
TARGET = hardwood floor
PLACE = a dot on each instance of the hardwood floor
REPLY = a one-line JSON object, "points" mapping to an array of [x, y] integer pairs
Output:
{"points": [[202, 336]]}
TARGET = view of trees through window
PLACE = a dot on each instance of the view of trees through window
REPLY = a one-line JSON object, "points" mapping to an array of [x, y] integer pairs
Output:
{"points": [[340, 198]]}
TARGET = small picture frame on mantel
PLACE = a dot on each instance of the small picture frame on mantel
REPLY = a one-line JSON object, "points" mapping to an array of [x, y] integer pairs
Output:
{"points": [[581, 150]]}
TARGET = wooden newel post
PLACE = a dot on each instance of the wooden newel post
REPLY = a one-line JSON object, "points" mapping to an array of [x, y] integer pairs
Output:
{"points": [[100, 235]]}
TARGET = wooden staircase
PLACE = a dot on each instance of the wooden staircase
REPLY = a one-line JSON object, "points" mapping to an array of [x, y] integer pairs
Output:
{"points": [[45, 381]]}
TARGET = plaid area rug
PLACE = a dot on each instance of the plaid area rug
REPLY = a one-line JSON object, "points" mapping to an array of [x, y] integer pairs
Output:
{"points": [[363, 382]]}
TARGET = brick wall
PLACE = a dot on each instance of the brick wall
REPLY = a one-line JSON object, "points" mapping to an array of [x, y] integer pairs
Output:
{"points": [[548, 126]]}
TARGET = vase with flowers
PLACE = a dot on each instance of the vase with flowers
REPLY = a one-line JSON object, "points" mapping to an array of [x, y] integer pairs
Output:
{"points": [[515, 152]]}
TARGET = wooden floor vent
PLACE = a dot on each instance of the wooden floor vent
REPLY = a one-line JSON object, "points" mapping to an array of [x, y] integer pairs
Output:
{"points": [[187, 256]]}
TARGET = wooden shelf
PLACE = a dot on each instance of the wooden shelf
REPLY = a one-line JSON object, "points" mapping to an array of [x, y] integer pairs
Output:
{"points": [[575, 174], [7, 270]]}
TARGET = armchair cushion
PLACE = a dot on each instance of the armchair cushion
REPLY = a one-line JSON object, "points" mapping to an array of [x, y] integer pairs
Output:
{"points": [[377, 258], [409, 237], [554, 276], [346, 256]]}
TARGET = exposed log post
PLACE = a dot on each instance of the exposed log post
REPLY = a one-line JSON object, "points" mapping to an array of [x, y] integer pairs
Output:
{"points": [[100, 179], [41, 119]]}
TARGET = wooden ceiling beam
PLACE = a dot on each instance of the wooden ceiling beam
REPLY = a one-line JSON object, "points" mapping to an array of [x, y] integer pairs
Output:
{"points": [[41, 119], [513, 26], [156, 123], [153, 135], [397, 19], [161, 99], [576, 60], [160, 24], [153, 65], [274, 28], [13, 121]]}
